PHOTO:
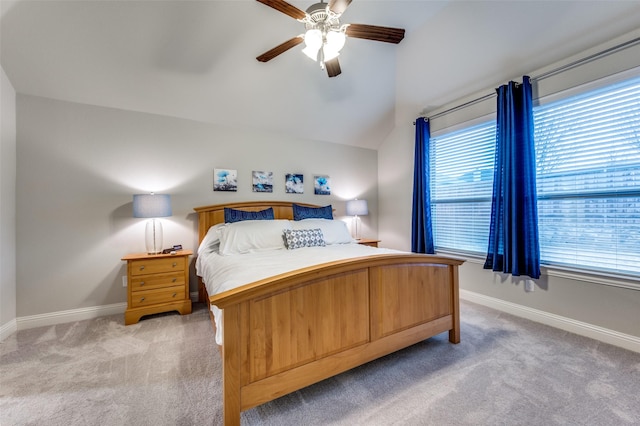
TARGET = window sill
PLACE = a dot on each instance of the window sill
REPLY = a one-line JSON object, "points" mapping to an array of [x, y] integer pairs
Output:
{"points": [[603, 278]]}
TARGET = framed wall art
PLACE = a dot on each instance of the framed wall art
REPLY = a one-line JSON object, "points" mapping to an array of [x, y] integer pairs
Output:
{"points": [[294, 183], [322, 185], [262, 181], [225, 180]]}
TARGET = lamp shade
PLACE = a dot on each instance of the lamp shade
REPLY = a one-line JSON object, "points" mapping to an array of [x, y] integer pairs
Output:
{"points": [[151, 205], [357, 208]]}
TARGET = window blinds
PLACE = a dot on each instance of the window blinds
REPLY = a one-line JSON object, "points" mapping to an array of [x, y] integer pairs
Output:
{"points": [[588, 179], [461, 185]]}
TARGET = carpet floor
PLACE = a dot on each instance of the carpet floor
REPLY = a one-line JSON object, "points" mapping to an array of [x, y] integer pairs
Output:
{"points": [[165, 370]]}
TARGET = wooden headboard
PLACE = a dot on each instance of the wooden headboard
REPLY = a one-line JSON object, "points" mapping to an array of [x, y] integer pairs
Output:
{"points": [[212, 215]]}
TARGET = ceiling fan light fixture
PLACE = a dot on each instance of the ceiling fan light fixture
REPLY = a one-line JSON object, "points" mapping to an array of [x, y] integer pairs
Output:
{"points": [[335, 40], [311, 52], [313, 42], [331, 44], [329, 53], [313, 38]]}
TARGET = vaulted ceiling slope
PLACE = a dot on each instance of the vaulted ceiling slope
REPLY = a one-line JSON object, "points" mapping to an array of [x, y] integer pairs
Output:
{"points": [[196, 59]]}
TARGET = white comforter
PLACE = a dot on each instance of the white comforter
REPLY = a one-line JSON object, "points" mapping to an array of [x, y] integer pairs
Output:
{"points": [[223, 273]]}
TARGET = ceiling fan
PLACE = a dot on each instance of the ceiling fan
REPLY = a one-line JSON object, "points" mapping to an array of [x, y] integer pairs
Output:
{"points": [[325, 36]]}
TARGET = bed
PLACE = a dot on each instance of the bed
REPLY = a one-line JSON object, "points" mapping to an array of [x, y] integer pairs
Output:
{"points": [[283, 332]]}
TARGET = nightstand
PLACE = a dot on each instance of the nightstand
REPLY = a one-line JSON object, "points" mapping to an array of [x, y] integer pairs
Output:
{"points": [[157, 283], [368, 242]]}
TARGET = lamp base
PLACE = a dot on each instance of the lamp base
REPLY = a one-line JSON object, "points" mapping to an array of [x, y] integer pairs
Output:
{"points": [[153, 236], [356, 227]]}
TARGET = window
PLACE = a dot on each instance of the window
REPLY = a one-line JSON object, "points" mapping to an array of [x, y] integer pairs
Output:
{"points": [[461, 166], [588, 181]]}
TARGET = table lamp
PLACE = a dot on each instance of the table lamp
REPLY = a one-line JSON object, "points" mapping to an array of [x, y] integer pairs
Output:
{"points": [[152, 206], [357, 208]]}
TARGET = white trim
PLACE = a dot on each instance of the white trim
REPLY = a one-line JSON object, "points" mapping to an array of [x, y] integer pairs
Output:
{"points": [[613, 280], [71, 315], [594, 277], [60, 317], [605, 335], [8, 329]]}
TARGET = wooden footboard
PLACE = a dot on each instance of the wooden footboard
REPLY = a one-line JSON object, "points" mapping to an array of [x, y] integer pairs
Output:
{"points": [[287, 332], [290, 331]]}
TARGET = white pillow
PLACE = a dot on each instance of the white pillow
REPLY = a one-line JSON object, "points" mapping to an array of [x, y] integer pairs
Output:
{"points": [[334, 231], [252, 235], [211, 241]]}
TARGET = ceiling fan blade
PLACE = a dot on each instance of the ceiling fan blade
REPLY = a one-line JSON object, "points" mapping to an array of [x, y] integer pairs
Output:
{"points": [[281, 48], [376, 33], [339, 6], [284, 7], [333, 67]]}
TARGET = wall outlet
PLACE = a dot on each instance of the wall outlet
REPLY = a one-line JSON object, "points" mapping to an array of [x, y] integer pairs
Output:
{"points": [[124, 281]]}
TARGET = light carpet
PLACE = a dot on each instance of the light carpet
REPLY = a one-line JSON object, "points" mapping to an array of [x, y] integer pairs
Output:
{"points": [[165, 370]]}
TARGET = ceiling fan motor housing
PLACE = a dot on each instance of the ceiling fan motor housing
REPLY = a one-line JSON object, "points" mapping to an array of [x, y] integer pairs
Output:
{"points": [[320, 17]]}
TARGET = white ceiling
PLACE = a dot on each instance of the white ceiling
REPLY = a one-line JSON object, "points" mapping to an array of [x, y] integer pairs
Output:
{"points": [[196, 59]]}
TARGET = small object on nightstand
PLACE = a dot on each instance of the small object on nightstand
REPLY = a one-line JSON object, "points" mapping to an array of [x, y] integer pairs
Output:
{"points": [[157, 283], [368, 242]]}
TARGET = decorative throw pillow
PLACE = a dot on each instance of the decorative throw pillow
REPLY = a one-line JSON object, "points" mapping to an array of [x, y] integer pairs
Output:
{"points": [[302, 212], [234, 215], [297, 238]]}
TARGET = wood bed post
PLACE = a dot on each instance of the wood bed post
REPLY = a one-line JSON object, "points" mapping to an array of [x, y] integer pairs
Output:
{"points": [[231, 366], [454, 333]]}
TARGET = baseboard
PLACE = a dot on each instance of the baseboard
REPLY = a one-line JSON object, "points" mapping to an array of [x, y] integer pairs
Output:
{"points": [[605, 335], [71, 315], [8, 329]]}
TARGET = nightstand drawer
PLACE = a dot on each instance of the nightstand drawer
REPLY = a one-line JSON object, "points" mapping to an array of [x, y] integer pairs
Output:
{"points": [[146, 282], [156, 266], [152, 297]]}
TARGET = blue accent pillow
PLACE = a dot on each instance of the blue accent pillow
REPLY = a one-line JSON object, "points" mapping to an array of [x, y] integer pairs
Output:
{"points": [[234, 215], [302, 212]]}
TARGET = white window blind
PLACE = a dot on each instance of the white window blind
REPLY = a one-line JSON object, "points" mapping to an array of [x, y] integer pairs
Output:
{"points": [[588, 179], [461, 166]]}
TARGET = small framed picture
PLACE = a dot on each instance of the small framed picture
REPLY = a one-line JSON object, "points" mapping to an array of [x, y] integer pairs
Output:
{"points": [[322, 185], [262, 181], [225, 180], [294, 183]]}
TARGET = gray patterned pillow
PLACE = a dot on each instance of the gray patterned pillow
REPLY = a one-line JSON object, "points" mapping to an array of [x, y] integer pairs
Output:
{"points": [[297, 238]]}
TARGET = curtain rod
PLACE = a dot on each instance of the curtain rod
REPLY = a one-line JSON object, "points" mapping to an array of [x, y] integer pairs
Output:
{"points": [[544, 75]]}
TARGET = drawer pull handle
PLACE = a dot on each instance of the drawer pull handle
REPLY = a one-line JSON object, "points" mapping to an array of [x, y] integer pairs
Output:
{"points": [[174, 294], [142, 268], [175, 264], [174, 280], [141, 283], [142, 299]]}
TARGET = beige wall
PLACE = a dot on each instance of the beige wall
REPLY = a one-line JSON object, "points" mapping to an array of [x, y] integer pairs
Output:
{"points": [[578, 297], [79, 165], [7, 204]]}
